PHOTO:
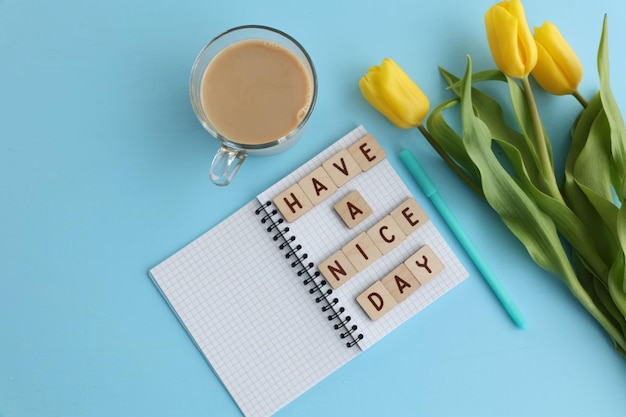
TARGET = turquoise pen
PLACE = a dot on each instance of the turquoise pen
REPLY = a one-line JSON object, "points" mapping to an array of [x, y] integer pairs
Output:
{"points": [[429, 188]]}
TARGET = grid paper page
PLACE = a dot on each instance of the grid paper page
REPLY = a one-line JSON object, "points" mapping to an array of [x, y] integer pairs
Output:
{"points": [[250, 315], [321, 233]]}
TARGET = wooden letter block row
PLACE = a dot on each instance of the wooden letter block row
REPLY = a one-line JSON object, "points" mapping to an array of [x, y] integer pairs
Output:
{"points": [[329, 177], [400, 283], [369, 246]]}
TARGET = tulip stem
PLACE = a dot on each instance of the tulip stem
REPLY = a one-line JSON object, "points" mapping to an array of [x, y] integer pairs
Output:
{"points": [[455, 167], [580, 98], [545, 161]]}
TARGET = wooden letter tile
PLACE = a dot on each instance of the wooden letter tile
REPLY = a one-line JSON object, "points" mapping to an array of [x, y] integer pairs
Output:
{"points": [[376, 301], [401, 283], [409, 215], [424, 264], [367, 152], [386, 234], [317, 186], [292, 203], [353, 209], [342, 167], [361, 252], [337, 269]]}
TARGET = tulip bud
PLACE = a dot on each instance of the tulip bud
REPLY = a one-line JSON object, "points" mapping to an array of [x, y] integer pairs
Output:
{"points": [[558, 69], [392, 92], [510, 40]]}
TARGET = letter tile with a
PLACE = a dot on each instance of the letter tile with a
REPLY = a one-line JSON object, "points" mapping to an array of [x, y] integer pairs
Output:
{"points": [[353, 209]]}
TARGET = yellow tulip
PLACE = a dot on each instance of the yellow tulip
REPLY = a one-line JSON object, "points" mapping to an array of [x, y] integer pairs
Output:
{"points": [[393, 93], [510, 40], [558, 69]]}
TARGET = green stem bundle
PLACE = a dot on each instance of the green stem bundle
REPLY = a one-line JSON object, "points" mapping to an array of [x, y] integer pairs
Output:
{"points": [[451, 163], [576, 230]]}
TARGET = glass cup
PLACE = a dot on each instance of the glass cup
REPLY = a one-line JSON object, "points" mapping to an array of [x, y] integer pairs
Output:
{"points": [[231, 154]]}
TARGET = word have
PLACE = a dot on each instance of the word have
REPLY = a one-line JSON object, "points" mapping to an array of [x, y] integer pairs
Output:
{"points": [[325, 180]]}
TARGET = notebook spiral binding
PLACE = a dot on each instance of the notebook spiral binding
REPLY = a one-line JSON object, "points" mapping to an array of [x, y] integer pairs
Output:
{"points": [[305, 269]]}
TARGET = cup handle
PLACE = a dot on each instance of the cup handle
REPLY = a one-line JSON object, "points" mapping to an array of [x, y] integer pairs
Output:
{"points": [[225, 165]]}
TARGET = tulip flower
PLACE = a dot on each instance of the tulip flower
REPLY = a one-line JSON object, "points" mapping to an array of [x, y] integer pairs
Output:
{"points": [[558, 69], [510, 40], [514, 51], [393, 93]]}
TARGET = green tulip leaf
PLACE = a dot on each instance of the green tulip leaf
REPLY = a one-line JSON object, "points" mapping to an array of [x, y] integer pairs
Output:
{"points": [[455, 84], [614, 116], [576, 198], [580, 133], [490, 112], [512, 143], [518, 211], [448, 139], [592, 167], [520, 109], [591, 194], [598, 292], [616, 281], [592, 171]]}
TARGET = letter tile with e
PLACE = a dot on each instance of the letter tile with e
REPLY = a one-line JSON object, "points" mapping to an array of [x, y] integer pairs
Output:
{"points": [[367, 152], [409, 215]]}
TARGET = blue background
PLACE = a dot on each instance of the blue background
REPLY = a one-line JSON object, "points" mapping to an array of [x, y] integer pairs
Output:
{"points": [[104, 173]]}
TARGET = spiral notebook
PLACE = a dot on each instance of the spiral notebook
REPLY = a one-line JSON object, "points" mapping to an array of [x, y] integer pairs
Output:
{"points": [[251, 295]]}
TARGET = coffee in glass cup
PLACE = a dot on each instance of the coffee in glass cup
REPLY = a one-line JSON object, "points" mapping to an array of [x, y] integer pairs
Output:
{"points": [[253, 88]]}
